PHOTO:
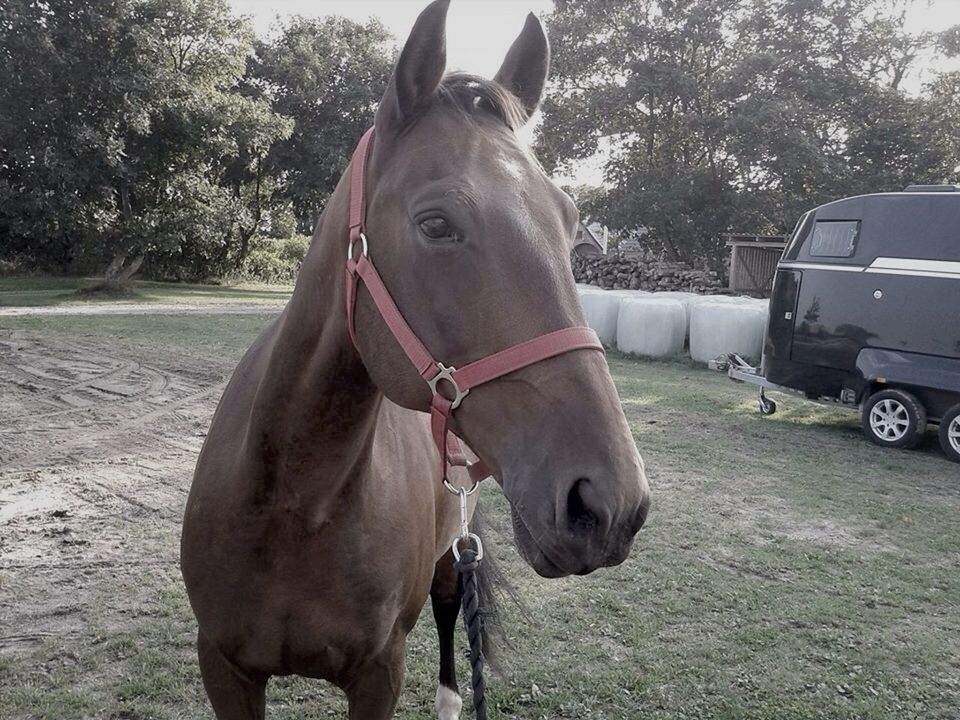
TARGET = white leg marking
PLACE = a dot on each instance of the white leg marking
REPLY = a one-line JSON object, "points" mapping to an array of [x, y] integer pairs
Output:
{"points": [[448, 704]]}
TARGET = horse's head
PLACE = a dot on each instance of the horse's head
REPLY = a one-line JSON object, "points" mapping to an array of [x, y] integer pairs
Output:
{"points": [[473, 241]]}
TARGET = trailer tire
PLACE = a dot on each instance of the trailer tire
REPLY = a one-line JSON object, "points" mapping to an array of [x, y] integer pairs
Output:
{"points": [[950, 433], [894, 419]]}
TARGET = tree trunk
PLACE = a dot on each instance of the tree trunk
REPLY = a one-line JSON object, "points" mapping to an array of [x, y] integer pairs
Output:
{"points": [[127, 273], [119, 272]]}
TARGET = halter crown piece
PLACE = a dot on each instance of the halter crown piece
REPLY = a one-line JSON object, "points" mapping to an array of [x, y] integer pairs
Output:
{"points": [[463, 379]]}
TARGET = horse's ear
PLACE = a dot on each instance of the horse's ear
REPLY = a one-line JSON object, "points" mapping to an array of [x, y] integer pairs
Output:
{"points": [[524, 70], [419, 69]]}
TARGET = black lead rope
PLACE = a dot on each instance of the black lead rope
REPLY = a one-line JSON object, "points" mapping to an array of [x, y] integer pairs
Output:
{"points": [[467, 566]]}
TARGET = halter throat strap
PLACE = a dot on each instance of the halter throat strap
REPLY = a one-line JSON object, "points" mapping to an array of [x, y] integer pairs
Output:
{"points": [[443, 380]]}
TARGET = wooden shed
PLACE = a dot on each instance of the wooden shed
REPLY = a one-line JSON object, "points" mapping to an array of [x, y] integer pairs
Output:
{"points": [[591, 240], [753, 261]]}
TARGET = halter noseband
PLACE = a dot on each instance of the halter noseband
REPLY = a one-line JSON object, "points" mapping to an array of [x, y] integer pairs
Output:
{"points": [[463, 379]]}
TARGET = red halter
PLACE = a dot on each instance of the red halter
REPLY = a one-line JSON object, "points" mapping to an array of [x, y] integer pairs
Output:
{"points": [[463, 379]]}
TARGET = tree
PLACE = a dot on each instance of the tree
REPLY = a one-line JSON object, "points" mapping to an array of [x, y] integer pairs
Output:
{"points": [[725, 115], [70, 85], [123, 136], [200, 165], [328, 76]]}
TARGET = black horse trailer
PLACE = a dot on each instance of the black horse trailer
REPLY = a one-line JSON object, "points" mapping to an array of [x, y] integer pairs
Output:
{"points": [[865, 313]]}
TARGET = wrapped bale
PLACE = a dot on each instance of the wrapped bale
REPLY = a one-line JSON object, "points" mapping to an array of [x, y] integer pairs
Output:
{"points": [[629, 293], [600, 310], [685, 298], [763, 304], [728, 299], [718, 327], [651, 326]]}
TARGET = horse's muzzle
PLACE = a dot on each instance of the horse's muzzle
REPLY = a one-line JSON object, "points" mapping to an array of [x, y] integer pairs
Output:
{"points": [[586, 532]]}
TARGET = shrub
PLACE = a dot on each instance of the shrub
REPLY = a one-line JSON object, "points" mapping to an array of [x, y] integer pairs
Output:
{"points": [[293, 249], [275, 260]]}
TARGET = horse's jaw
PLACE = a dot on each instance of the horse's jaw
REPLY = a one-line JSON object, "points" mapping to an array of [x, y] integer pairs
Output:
{"points": [[531, 551]]}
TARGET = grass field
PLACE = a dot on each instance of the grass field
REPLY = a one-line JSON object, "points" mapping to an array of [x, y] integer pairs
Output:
{"points": [[789, 569], [44, 291]]}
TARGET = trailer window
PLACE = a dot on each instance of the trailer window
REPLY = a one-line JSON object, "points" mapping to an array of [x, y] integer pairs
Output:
{"points": [[835, 238]]}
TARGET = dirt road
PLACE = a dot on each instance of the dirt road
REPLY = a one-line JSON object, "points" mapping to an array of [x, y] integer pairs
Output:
{"points": [[97, 446]]}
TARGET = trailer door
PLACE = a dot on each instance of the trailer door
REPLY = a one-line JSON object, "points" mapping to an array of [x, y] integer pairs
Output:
{"points": [[783, 311]]}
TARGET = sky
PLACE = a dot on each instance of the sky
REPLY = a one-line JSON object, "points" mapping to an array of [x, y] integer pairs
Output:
{"points": [[479, 32]]}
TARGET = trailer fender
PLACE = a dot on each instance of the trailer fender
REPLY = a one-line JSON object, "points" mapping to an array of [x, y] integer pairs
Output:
{"points": [[894, 367]]}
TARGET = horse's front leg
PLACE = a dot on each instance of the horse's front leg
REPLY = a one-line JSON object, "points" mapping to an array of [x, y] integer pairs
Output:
{"points": [[234, 694], [374, 693], [445, 597]]}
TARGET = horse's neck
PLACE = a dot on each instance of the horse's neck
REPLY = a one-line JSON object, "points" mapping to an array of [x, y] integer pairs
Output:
{"points": [[316, 407]]}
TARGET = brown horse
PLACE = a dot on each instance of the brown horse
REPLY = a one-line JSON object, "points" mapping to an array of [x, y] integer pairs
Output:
{"points": [[317, 524]]}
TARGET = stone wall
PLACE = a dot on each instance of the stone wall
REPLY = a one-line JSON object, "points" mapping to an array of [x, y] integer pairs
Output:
{"points": [[613, 272]]}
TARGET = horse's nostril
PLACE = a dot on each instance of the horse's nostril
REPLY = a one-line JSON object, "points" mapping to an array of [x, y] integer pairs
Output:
{"points": [[581, 518]]}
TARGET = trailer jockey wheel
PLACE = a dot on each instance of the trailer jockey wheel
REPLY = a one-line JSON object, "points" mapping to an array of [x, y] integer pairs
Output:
{"points": [[950, 433], [894, 418], [766, 405]]}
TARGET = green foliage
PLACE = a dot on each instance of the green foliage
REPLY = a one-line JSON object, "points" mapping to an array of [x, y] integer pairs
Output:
{"points": [[161, 130], [276, 260], [282, 222], [327, 74], [738, 115], [189, 236], [122, 134]]}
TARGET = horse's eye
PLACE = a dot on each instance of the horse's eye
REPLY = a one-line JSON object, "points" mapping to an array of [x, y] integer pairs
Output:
{"points": [[437, 228]]}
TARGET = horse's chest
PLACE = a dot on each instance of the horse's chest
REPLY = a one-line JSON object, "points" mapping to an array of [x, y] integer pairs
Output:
{"points": [[324, 601]]}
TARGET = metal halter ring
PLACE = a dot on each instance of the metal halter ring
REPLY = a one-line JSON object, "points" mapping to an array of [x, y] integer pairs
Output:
{"points": [[470, 537], [446, 373], [456, 491], [363, 245]]}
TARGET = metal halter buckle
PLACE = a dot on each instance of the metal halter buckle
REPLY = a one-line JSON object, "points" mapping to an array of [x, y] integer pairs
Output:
{"points": [[446, 373], [363, 247]]}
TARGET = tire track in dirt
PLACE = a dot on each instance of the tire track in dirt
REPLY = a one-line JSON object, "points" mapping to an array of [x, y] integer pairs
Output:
{"points": [[98, 413], [97, 447]]}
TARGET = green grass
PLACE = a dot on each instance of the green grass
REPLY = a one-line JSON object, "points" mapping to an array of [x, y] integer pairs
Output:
{"points": [[789, 570], [45, 291], [197, 335]]}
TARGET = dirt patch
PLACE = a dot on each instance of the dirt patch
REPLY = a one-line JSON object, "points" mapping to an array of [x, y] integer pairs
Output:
{"points": [[97, 446]]}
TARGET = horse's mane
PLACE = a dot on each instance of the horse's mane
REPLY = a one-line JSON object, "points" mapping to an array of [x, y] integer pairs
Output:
{"points": [[470, 94]]}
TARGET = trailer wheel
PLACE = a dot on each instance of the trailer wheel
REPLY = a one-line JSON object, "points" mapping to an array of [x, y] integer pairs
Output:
{"points": [[894, 418], [766, 406], [950, 433]]}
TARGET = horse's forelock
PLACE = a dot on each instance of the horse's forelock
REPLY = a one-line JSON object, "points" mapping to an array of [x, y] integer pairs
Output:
{"points": [[471, 94]]}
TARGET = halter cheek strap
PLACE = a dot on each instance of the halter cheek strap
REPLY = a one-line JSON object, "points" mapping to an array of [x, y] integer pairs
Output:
{"points": [[459, 381]]}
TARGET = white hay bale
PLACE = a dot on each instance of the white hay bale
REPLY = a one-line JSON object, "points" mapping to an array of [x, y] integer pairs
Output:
{"points": [[629, 293], [600, 310], [728, 299], [651, 326], [685, 298], [718, 327], [675, 294], [763, 304]]}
